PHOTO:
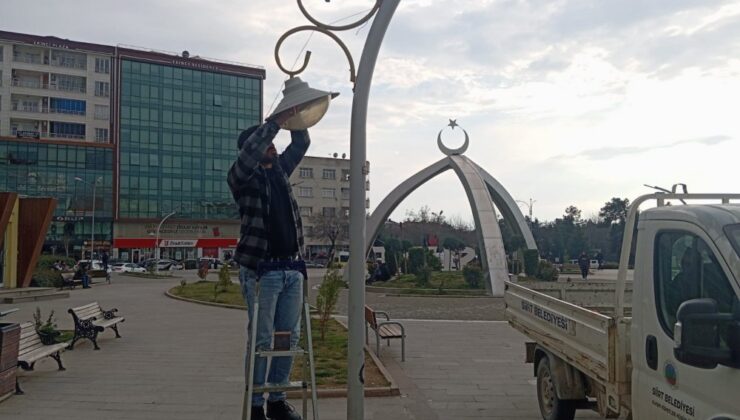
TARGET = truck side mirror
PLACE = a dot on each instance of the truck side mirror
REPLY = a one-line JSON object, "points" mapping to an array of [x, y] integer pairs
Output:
{"points": [[697, 335]]}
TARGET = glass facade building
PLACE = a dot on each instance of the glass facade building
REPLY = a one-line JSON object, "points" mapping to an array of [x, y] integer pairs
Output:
{"points": [[49, 170], [177, 139]]}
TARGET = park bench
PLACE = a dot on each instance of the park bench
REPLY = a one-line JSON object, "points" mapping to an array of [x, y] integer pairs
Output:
{"points": [[31, 350], [68, 280], [90, 320], [384, 330]]}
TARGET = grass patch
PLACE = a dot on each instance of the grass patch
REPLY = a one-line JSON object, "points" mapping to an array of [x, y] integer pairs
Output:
{"points": [[330, 355], [151, 276], [443, 279], [204, 291]]}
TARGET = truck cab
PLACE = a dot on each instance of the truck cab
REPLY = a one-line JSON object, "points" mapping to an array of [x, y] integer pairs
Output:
{"points": [[685, 329]]}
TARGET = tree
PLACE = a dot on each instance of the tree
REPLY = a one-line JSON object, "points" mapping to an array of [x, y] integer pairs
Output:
{"points": [[614, 211], [572, 214], [332, 227], [67, 235]]}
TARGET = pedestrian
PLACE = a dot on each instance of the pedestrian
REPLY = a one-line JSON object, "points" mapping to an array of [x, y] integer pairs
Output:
{"points": [[83, 275], [584, 262], [105, 259], [259, 183]]}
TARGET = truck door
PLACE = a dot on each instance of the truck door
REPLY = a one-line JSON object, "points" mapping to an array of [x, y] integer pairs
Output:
{"points": [[684, 265]]}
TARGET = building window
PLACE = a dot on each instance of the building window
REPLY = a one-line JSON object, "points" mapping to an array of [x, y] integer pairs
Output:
{"points": [[102, 112], [101, 135], [306, 173], [328, 193], [329, 211], [306, 211], [67, 130], [67, 106], [329, 174], [305, 192], [102, 65], [345, 193], [1, 53], [217, 100], [102, 89], [345, 174]]}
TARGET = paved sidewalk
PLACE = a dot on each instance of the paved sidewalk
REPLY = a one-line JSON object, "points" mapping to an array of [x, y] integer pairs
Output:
{"points": [[179, 360]]}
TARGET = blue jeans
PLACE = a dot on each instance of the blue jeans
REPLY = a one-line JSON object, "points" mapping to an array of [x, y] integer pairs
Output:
{"points": [[85, 280], [281, 303]]}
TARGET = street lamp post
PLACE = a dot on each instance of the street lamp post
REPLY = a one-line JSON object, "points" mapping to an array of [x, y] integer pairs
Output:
{"points": [[383, 11], [529, 207], [92, 224], [156, 243]]}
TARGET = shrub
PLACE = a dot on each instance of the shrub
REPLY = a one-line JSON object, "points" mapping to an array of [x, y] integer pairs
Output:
{"points": [[546, 271], [424, 277], [473, 276], [531, 258], [46, 278], [391, 263], [327, 297], [46, 262], [416, 259]]}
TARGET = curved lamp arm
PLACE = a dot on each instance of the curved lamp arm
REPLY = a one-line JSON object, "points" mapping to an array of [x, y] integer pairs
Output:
{"points": [[325, 29]]}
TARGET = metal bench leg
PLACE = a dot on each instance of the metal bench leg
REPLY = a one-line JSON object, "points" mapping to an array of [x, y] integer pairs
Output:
{"points": [[18, 390], [377, 344], [95, 342], [403, 348], [115, 328], [58, 357]]}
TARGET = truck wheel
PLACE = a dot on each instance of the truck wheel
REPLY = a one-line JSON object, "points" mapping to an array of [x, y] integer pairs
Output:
{"points": [[551, 407]]}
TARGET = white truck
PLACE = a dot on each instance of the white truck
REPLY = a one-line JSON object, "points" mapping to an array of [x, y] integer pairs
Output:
{"points": [[675, 352]]}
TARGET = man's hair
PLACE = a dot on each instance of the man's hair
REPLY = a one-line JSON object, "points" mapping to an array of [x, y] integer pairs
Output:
{"points": [[245, 135]]}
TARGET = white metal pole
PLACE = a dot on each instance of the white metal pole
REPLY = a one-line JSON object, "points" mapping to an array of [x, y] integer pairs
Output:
{"points": [[156, 243], [92, 227], [358, 172]]}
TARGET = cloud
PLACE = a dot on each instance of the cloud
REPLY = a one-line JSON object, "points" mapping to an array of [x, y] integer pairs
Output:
{"points": [[604, 153]]}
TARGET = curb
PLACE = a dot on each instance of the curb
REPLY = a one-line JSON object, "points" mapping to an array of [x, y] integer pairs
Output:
{"points": [[390, 391], [156, 277], [200, 302], [393, 291]]}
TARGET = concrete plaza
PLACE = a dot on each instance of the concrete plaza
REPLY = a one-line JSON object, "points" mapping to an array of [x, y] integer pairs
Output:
{"points": [[179, 360]]}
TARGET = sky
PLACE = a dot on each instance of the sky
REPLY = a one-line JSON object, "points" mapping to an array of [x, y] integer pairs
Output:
{"points": [[566, 102]]}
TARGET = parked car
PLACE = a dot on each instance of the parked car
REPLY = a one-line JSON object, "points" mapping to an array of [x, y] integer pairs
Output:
{"points": [[96, 264], [213, 263], [127, 268], [315, 264], [190, 264]]}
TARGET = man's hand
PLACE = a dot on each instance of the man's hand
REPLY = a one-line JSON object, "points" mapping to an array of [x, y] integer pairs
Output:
{"points": [[283, 116]]}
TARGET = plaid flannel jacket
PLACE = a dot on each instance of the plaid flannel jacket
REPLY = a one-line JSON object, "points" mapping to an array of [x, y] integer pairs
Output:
{"points": [[250, 189]]}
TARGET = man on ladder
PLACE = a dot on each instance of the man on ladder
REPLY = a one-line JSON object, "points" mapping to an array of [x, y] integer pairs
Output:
{"points": [[272, 271]]}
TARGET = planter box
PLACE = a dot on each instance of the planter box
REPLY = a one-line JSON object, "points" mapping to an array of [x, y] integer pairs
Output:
{"points": [[10, 335], [9, 342]]}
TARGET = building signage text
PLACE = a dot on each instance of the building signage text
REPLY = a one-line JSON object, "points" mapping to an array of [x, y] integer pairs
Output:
{"points": [[551, 318], [195, 64], [51, 45], [177, 243]]}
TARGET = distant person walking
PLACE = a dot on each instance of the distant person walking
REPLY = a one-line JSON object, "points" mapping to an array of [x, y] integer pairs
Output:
{"points": [[584, 262]]}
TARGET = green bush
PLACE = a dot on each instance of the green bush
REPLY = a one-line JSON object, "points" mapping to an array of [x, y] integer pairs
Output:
{"points": [[391, 263], [473, 276], [416, 259], [327, 297], [531, 259], [424, 277], [433, 262], [45, 262], [46, 278], [546, 271]]}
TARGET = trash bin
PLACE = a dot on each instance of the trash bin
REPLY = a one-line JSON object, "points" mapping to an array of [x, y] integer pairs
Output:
{"points": [[9, 341]]}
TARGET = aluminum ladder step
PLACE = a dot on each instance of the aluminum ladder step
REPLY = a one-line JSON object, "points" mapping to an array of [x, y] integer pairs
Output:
{"points": [[281, 353], [289, 386]]}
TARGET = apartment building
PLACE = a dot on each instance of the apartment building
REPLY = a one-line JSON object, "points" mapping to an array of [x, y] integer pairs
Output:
{"points": [[321, 188]]}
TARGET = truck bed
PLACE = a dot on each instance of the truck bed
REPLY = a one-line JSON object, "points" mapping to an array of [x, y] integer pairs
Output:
{"points": [[581, 336]]}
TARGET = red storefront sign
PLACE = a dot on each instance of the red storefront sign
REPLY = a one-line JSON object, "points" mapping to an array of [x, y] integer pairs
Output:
{"points": [[151, 243]]}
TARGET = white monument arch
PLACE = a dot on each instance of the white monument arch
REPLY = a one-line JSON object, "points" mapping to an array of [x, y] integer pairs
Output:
{"points": [[485, 194]]}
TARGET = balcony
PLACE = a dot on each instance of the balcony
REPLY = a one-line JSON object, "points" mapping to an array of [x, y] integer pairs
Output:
{"points": [[65, 111], [66, 87], [70, 64], [30, 84], [28, 58], [67, 136], [21, 107]]}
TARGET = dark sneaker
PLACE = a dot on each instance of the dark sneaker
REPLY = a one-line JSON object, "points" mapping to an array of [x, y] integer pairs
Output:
{"points": [[281, 410], [258, 413]]}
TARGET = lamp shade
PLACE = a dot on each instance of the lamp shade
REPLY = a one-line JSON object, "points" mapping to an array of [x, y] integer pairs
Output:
{"points": [[312, 104]]}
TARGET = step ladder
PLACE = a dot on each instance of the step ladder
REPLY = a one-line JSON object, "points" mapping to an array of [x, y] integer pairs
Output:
{"points": [[306, 352]]}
